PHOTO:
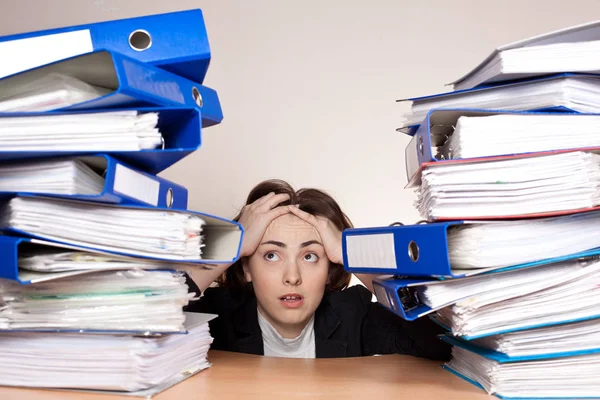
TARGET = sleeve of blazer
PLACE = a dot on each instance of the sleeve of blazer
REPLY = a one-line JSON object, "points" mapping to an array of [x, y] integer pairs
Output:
{"points": [[383, 332], [215, 301]]}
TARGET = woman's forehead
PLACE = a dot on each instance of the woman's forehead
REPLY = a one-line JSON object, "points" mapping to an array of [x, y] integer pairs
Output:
{"points": [[291, 228]]}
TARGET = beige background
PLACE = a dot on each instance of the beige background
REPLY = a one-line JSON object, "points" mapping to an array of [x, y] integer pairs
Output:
{"points": [[308, 87]]}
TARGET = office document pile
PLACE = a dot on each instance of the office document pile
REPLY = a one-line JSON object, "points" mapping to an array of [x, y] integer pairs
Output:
{"points": [[506, 169], [93, 241]]}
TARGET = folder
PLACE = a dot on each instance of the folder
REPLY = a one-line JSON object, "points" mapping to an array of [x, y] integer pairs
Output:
{"points": [[564, 377], [440, 124], [399, 296], [99, 178], [501, 357], [180, 127], [455, 249], [146, 232], [14, 248], [570, 49], [130, 83], [175, 41], [567, 92], [412, 298]]}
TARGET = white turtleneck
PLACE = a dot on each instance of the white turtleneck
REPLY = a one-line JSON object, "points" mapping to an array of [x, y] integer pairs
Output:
{"points": [[276, 345]]}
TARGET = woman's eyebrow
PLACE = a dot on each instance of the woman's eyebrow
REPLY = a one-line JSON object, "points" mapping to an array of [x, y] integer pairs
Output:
{"points": [[306, 244], [276, 243]]}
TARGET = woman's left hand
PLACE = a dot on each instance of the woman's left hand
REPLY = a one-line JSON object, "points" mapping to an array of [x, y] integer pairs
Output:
{"points": [[330, 234]]}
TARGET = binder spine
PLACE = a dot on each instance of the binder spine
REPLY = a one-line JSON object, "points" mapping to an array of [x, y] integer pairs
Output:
{"points": [[412, 250]]}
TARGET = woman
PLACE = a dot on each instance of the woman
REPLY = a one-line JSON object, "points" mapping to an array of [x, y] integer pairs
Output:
{"points": [[287, 296]]}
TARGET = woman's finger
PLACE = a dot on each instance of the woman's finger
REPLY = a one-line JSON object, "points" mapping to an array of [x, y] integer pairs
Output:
{"points": [[262, 200], [277, 212], [273, 202], [311, 219]]}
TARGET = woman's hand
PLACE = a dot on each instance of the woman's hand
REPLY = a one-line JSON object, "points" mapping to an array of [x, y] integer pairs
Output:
{"points": [[257, 216], [330, 234]]}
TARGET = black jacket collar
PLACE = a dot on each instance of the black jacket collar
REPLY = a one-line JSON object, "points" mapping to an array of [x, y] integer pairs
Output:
{"points": [[249, 336]]}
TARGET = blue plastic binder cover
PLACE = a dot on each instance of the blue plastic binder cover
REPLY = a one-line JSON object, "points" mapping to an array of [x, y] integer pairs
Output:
{"points": [[180, 127], [222, 241], [412, 129], [438, 125], [12, 247], [123, 184], [132, 84], [417, 251], [400, 297], [504, 358], [176, 42]]}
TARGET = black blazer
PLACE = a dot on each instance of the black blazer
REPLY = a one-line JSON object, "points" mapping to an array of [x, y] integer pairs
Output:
{"points": [[347, 324]]}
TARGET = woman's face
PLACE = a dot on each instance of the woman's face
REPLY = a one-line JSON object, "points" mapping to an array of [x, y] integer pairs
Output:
{"points": [[289, 273]]}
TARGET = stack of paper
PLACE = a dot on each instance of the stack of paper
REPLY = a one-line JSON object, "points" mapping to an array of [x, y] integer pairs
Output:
{"points": [[49, 260], [89, 132], [49, 92], [509, 177], [131, 300], [502, 285], [571, 298], [72, 177], [174, 235], [565, 377], [579, 93], [515, 187], [573, 49], [573, 337], [502, 134], [485, 245], [136, 364]]}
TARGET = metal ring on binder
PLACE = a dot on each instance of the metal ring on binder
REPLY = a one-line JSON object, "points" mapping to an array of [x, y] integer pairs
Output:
{"points": [[413, 251], [396, 224], [140, 40], [197, 96], [169, 198], [162, 142]]}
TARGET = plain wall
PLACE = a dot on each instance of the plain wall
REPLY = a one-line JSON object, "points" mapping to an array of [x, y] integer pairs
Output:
{"points": [[308, 88]]}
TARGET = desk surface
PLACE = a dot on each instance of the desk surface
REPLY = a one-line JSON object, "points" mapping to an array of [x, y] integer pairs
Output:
{"points": [[245, 377]]}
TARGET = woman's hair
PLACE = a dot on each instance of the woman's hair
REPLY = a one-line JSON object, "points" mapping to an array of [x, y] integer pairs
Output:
{"points": [[312, 201]]}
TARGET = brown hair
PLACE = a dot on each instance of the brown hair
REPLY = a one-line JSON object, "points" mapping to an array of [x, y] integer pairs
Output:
{"points": [[312, 201]]}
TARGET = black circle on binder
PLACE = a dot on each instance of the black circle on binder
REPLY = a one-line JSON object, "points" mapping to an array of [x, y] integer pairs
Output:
{"points": [[140, 40], [169, 198], [413, 251], [197, 96]]}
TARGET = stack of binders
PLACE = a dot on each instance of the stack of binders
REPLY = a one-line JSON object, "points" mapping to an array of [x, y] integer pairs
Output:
{"points": [[507, 174], [93, 242]]}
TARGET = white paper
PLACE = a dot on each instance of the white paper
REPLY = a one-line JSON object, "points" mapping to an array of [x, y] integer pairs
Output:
{"points": [[510, 188], [566, 377], [135, 231], [558, 300], [129, 300], [102, 131], [125, 364], [484, 245], [578, 93], [578, 336]]}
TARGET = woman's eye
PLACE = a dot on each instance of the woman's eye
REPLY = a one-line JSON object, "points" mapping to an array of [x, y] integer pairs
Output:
{"points": [[311, 257], [271, 257]]}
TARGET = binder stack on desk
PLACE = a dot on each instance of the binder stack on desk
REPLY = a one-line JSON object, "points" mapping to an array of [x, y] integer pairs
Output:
{"points": [[93, 241], [507, 175]]}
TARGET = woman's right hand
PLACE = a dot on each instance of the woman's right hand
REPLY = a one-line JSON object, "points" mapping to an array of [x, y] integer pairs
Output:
{"points": [[257, 216]]}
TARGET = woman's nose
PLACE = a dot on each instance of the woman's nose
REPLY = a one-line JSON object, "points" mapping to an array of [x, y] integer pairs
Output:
{"points": [[292, 275]]}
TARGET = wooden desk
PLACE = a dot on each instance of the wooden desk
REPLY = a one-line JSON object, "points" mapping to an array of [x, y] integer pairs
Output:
{"points": [[246, 377]]}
